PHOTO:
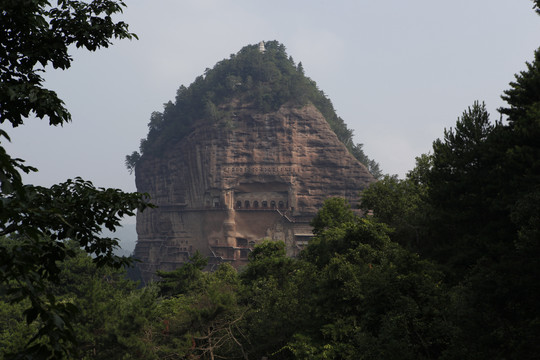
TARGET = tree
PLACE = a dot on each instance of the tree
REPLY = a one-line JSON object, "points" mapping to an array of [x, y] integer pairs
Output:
{"points": [[460, 192], [370, 299], [276, 289], [328, 226], [498, 313], [112, 318], [401, 204], [483, 189], [187, 278], [112, 312], [201, 320], [372, 166], [334, 211], [521, 157], [268, 260], [131, 161], [35, 34]]}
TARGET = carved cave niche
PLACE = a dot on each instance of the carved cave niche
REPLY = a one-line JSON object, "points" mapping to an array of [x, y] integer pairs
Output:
{"points": [[241, 242], [261, 192], [244, 253], [212, 199]]}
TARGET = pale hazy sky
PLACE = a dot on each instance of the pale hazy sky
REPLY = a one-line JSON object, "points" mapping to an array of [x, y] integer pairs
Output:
{"points": [[398, 72]]}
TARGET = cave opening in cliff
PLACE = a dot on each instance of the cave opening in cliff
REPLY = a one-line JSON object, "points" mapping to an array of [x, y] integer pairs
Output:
{"points": [[241, 242]]}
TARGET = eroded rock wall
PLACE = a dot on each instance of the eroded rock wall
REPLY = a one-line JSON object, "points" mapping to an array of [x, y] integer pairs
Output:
{"points": [[230, 184]]}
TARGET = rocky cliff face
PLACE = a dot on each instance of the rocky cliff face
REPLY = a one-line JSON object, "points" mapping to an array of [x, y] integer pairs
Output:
{"points": [[228, 185]]}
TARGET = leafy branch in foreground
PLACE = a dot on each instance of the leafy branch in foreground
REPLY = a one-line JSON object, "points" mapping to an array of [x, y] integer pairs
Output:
{"points": [[35, 34], [39, 223], [35, 222]]}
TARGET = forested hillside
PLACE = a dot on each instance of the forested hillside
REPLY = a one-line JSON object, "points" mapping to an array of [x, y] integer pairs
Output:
{"points": [[264, 80]]}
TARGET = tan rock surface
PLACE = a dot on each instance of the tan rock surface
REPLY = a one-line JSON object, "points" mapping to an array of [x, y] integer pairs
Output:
{"points": [[224, 188]]}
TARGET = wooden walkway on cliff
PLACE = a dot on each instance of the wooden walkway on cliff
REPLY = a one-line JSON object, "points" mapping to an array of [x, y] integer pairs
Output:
{"points": [[183, 208]]}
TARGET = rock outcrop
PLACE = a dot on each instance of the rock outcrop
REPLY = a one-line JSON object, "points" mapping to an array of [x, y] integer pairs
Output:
{"points": [[228, 185]]}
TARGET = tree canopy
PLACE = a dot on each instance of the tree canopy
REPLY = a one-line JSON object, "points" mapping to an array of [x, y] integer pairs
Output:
{"points": [[476, 211], [265, 80], [37, 221]]}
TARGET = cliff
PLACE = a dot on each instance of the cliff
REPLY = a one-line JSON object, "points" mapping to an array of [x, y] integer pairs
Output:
{"points": [[236, 173], [220, 191]]}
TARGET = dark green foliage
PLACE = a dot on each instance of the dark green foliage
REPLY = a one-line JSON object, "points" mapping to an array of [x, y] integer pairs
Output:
{"points": [[520, 149], [276, 291], [480, 173], [498, 314], [203, 320], [112, 314], [480, 202], [475, 202], [374, 299], [185, 279], [401, 205], [372, 166], [266, 81], [34, 35], [131, 161], [526, 216], [109, 310], [14, 331], [523, 94], [268, 260], [37, 221], [335, 211], [459, 193]]}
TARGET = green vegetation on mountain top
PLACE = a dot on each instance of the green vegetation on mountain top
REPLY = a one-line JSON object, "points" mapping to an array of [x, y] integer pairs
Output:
{"points": [[265, 80]]}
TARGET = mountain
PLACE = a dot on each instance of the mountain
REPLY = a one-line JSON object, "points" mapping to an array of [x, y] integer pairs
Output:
{"points": [[247, 152]]}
